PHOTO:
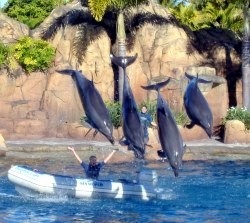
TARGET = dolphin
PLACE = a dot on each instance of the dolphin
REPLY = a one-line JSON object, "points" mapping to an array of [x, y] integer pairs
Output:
{"points": [[196, 105], [169, 135], [97, 114], [131, 122]]}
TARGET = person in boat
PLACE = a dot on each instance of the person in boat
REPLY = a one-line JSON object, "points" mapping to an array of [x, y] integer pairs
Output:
{"points": [[92, 169], [146, 120]]}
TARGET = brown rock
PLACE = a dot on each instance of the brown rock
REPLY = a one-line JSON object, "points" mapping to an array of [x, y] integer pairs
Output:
{"points": [[11, 29], [77, 131], [153, 139], [235, 132], [163, 51], [2, 143], [30, 127], [193, 134]]}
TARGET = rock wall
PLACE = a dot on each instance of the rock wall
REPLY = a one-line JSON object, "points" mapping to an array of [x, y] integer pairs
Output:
{"points": [[48, 105]]}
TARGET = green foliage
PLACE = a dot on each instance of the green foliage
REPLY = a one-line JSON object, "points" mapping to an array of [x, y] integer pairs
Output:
{"points": [[4, 52], [99, 7], [198, 14], [115, 111], [31, 12], [241, 114], [33, 55], [181, 118]]}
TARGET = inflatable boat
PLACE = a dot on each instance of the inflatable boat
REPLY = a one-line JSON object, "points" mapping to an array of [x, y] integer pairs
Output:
{"points": [[29, 181]]}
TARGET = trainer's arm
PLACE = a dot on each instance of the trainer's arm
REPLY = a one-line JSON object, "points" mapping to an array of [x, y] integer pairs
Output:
{"points": [[109, 156], [76, 155]]}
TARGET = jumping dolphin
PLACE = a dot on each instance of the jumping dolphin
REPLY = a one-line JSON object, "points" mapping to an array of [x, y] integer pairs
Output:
{"points": [[169, 135], [131, 123], [97, 113], [196, 105]]}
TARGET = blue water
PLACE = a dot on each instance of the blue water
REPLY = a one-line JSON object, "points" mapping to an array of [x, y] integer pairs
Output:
{"points": [[206, 191]]}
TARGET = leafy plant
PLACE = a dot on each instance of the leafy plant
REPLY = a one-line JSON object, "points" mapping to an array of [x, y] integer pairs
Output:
{"points": [[241, 114], [33, 55], [115, 111], [31, 13], [181, 118], [4, 52]]}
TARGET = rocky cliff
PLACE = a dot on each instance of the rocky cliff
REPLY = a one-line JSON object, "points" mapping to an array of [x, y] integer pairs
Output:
{"points": [[47, 104]]}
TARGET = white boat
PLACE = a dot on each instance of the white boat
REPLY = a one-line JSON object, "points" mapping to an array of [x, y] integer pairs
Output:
{"points": [[31, 181]]}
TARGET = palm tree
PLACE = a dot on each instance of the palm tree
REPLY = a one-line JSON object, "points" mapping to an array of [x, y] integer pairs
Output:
{"points": [[246, 55], [98, 11], [95, 17]]}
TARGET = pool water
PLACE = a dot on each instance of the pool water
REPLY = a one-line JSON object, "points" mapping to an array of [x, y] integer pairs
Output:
{"points": [[206, 191]]}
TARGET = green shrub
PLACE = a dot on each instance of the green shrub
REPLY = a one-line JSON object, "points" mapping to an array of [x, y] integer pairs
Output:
{"points": [[33, 55], [31, 13], [181, 118], [4, 52], [240, 114], [115, 111]]}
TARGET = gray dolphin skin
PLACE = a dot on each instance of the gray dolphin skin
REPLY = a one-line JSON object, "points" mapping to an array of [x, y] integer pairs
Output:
{"points": [[97, 113], [131, 122], [169, 135], [196, 105]]}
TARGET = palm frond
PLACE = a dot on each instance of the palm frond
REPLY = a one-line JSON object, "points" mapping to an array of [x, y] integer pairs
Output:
{"points": [[134, 23], [133, 3], [85, 35], [72, 18], [98, 8], [109, 24], [140, 19]]}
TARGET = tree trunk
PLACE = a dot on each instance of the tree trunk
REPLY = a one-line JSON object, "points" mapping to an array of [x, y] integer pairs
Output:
{"points": [[246, 59], [121, 37]]}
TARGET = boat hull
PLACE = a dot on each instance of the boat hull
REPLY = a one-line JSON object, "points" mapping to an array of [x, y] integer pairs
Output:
{"points": [[33, 181]]}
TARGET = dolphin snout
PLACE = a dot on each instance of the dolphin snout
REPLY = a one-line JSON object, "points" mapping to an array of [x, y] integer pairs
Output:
{"points": [[111, 139], [209, 132], [176, 172]]}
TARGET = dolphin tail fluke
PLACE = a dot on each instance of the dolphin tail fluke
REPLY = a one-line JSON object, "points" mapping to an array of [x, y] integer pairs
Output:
{"points": [[123, 61], [190, 77], [156, 86], [200, 80], [66, 71]]}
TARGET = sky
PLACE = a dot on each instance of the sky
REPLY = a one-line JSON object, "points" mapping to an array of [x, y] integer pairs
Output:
{"points": [[2, 2]]}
